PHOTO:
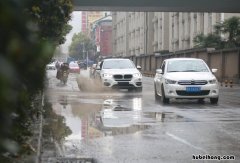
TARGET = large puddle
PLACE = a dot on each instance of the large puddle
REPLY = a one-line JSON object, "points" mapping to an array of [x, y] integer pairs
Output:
{"points": [[95, 118]]}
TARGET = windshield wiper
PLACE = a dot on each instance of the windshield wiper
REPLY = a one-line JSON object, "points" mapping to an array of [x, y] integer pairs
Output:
{"points": [[190, 71], [174, 71]]}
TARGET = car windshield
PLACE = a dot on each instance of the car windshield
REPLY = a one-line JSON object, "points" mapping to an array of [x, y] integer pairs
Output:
{"points": [[187, 66], [118, 64], [73, 65]]}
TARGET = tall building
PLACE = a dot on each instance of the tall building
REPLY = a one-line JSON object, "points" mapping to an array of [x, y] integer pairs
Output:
{"points": [[138, 33], [185, 26], [135, 33], [130, 33], [88, 17], [101, 33], [84, 22], [161, 30], [120, 40]]}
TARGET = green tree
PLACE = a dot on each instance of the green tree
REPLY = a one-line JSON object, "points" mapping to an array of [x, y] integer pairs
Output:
{"points": [[81, 44], [52, 17], [230, 28], [56, 126], [211, 40], [27, 44]]}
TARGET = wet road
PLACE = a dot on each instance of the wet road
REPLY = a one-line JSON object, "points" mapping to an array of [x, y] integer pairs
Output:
{"points": [[124, 126]]}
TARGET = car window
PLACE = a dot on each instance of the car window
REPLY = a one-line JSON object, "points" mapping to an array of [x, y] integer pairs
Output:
{"points": [[187, 66], [73, 65], [118, 64]]}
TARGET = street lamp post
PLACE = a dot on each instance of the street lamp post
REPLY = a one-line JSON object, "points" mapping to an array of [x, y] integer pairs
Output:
{"points": [[86, 56], [87, 59]]}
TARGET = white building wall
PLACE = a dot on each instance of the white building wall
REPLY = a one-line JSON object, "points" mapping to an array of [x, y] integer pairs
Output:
{"points": [[160, 41], [171, 31]]}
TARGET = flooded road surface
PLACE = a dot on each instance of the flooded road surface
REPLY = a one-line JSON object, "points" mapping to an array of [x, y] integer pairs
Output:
{"points": [[122, 126]]}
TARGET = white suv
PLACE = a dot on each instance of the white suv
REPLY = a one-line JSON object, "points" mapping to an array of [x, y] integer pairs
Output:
{"points": [[188, 78], [120, 73]]}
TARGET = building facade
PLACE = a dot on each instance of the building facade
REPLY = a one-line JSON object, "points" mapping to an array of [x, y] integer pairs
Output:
{"points": [[101, 33], [88, 17], [84, 22], [119, 38], [135, 33], [185, 26], [141, 33], [161, 31], [130, 36]]}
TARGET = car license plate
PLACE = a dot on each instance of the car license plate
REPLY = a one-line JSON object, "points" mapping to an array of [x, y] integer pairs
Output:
{"points": [[193, 89], [123, 83]]}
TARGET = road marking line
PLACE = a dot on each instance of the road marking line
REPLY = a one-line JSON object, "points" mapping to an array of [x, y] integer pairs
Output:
{"points": [[185, 142]]}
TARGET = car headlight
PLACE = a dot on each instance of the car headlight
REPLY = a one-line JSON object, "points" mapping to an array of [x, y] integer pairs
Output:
{"points": [[214, 81], [137, 75], [107, 75], [168, 81]]}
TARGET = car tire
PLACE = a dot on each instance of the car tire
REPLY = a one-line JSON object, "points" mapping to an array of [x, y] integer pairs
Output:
{"points": [[201, 100], [157, 97], [139, 89], [163, 98], [214, 100]]}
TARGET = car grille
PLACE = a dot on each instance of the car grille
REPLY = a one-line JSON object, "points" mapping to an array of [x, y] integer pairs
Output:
{"points": [[192, 82], [126, 77], [123, 84], [185, 93], [117, 76]]}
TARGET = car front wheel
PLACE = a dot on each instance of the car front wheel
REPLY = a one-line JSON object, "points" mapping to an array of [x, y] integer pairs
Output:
{"points": [[157, 97], [164, 99], [214, 100], [139, 89]]}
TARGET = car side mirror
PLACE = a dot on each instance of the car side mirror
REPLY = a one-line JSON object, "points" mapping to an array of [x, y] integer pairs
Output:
{"points": [[214, 70], [159, 71], [98, 68], [139, 67]]}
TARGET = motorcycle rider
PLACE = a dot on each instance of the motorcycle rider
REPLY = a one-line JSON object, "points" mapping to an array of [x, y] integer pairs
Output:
{"points": [[63, 68], [57, 65]]}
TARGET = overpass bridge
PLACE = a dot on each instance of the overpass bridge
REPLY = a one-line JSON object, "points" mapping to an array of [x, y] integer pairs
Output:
{"points": [[227, 6]]}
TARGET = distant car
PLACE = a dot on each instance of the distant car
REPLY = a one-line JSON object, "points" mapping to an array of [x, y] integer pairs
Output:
{"points": [[74, 68], [51, 66], [185, 78], [119, 73], [83, 65]]}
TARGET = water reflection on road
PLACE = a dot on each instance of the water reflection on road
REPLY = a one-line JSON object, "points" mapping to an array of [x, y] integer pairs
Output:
{"points": [[122, 126], [113, 116]]}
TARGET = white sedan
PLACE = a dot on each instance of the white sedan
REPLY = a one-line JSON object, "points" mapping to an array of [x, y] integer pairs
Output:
{"points": [[186, 78], [51, 66]]}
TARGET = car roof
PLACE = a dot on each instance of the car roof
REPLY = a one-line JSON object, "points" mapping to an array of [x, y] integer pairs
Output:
{"points": [[173, 59], [72, 63], [112, 59]]}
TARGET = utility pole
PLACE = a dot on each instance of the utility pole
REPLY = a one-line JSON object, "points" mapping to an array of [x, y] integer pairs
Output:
{"points": [[83, 50], [85, 54], [87, 59]]}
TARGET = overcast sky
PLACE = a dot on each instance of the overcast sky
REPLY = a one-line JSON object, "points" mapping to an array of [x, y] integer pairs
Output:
{"points": [[76, 24]]}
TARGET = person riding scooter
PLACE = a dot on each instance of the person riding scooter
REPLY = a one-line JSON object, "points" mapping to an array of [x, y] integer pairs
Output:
{"points": [[62, 73]]}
